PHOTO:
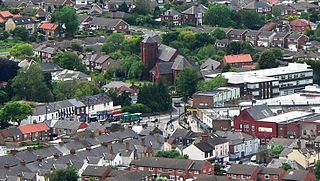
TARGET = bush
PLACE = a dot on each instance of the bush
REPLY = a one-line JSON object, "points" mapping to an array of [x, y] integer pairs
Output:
{"points": [[141, 108]]}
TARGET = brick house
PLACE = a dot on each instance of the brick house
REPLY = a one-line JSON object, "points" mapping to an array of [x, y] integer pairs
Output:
{"points": [[194, 15], [259, 6], [265, 38], [302, 25], [241, 60], [271, 174], [173, 169], [252, 36], [237, 35], [296, 41], [23, 21], [106, 24], [243, 172], [38, 131], [301, 175], [50, 29], [173, 16], [280, 40]]}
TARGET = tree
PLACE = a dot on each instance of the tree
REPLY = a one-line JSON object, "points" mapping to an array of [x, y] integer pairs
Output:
{"points": [[133, 67], [305, 15], [29, 84], [69, 60], [4, 97], [267, 60], [67, 17], [277, 53], [218, 15], [211, 84], [8, 69], [142, 7], [123, 7], [15, 112], [236, 47], [133, 108], [187, 38], [317, 170], [68, 174], [276, 150], [113, 43], [21, 51], [286, 166], [186, 82], [219, 34], [226, 68], [156, 12], [122, 99], [132, 45], [252, 19], [20, 33], [156, 97], [203, 39], [169, 37], [76, 47], [276, 11], [74, 88], [218, 169], [4, 35]]}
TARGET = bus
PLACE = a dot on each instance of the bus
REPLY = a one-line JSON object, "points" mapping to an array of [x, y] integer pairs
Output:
{"points": [[128, 118]]}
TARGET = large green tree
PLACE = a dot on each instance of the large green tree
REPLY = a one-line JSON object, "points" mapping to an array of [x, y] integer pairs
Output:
{"points": [[8, 69], [213, 83], [252, 19], [317, 170], [219, 34], [267, 60], [21, 51], [113, 43], [236, 47], [68, 174], [30, 85], [133, 67], [156, 97], [20, 33], [186, 82], [74, 88], [15, 112], [219, 15], [142, 7], [276, 150], [68, 18], [69, 60]]}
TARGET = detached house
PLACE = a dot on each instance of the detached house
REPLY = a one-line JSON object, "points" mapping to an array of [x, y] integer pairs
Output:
{"points": [[237, 35], [194, 15], [26, 22], [4, 16], [31, 132], [173, 16], [252, 36], [50, 29], [280, 40], [106, 24], [296, 41], [265, 38], [302, 25], [259, 6]]}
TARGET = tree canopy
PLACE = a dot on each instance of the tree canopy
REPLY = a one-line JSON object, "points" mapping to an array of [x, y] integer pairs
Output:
{"points": [[268, 59], [133, 67], [21, 33], [8, 69], [67, 17], [219, 15], [113, 43], [286, 166], [211, 84], [186, 82], [219, 34], [21, 51], [142, 7], [69, 60], [30, 85], [276, 150], [171, 154], [15, 112], [317, 170], [68, 174], [156, 97]]}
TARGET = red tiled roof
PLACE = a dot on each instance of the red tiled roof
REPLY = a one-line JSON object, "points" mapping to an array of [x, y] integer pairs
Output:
{"points": [[6, 14], [33, 128], [48, 26], [83, 126], [273, 2], [243, 58], [300, 22]]}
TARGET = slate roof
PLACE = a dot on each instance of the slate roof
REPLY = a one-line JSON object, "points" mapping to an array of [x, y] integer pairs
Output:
{"points": [[172, 12], [257, 4], [23, 20], [11, 160], [11, 131], [260, 111], [95, 99], [276, 163], [210, 64], [50, 67], [237, 32], [164, 67], [131, 176], [295, 175], [166, 53], [180, 62], [234, 137], [161, 162], [241, 169], [281, 35], [118, 14], [107, 22], [252, 33], [295, 36], [195, 9], [204, 146], [148, 39], [266, 33], [27, 156], [270, 171], [94, 171], [62, 124]]}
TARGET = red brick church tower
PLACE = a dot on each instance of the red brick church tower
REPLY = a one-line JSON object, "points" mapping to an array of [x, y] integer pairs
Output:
{"points": [[148, 50]]}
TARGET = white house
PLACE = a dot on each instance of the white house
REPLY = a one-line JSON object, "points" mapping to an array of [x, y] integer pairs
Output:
{"points": [[210, 147]]}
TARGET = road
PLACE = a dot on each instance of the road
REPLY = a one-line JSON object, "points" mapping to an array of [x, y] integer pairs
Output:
{"points": [[163, 119]]}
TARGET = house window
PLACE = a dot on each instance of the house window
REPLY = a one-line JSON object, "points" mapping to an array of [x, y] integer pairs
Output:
{"points": [[180, 171], [170, 170], [150, 169], [196, 172], [275, 177]]}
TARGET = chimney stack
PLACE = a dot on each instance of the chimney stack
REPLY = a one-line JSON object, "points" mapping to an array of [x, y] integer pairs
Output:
{"points": [[204, 137], [6, 166], [13, 152], [29, 149], [127, 145], [39, 158], [23, 162], [143, 142], [111, 150], [73, 151], [56, 155]]}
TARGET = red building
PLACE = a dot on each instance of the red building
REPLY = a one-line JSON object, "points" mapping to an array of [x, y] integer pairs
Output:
{"points": [[243, 172], [173, 169], [261, 122]]}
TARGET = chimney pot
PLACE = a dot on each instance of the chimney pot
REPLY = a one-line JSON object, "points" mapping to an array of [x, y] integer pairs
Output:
{"points": [[143, 142], [72, 151], [23, 162], [204, 137]]}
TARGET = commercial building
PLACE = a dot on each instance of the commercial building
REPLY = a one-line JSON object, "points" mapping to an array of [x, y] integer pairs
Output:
{"points": [[216, 97], [268, 83]]}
